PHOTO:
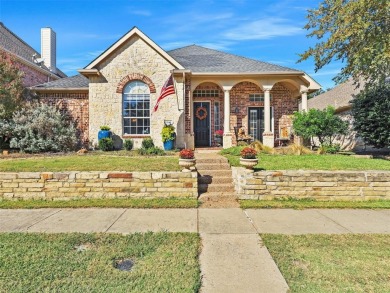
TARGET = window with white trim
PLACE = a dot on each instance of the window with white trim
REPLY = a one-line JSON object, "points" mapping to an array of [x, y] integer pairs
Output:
{"points": [[257, 97], [136, 109]]}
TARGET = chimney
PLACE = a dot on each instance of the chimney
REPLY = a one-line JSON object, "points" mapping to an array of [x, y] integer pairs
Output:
{"points": [[48, 48]]}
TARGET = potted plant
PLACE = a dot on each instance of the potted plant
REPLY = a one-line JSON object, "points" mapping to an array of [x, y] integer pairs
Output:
{"points": [[218, 137], [104, 132], [248, 157], [187, 159], [168, 135]]}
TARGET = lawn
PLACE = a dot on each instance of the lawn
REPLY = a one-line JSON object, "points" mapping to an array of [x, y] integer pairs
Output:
{"points": [[313, 162], [291, 203], [332, 263], [96, 161], [163, 262], [138, 203]]}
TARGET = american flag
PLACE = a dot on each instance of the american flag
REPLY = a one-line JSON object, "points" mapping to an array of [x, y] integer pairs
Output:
{"points": [[167, 89]]}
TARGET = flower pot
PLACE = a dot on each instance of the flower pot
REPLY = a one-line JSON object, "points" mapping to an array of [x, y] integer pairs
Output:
{"points": [[5, 152], [104, 134], [249, 163], [168, 145], [187, 164], [218, 140]]}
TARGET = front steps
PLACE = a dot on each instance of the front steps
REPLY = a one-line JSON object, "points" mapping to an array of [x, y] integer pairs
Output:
{"points": [[215, 184]]}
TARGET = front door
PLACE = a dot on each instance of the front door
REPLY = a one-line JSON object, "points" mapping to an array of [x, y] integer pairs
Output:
{"points": [[202, 124], [256, 122]]}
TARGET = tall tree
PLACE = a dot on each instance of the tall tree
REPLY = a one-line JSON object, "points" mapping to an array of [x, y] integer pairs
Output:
{"points": [[11, 86], [356, 32]]}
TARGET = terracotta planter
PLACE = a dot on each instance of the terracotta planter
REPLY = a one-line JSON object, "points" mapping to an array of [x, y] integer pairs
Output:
{"points": [[187, 164], [249, 163], [5, 152]]}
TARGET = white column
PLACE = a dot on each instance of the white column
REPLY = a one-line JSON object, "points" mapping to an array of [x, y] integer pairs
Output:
{"points": [[226, 119], [227, 136], [267, 112], [304, 100], [268, 136]]}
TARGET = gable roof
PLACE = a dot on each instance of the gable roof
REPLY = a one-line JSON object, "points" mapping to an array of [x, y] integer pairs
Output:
{"points": [[76, 82], [202, 60], [338, 97], [134, 31]]}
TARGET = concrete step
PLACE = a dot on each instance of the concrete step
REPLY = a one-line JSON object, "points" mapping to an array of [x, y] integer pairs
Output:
{"points": [[219, 166], [207, 179], [216, 173], [215, 188], [216, 196], [211, 160]]}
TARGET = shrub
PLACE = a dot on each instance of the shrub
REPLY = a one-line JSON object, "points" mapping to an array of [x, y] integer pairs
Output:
{"points": [[6, 129], [128, 144], [152, 151], [105, 127], [259, 147], [371, 113], [147, 143], [323, 124], [329, 149], [106, 144], [219, 132], [168, 133], [42, 128], [248, 153], [186, 154]]}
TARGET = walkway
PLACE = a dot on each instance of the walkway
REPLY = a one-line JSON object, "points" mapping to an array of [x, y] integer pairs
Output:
{"points": [[233, 258]]}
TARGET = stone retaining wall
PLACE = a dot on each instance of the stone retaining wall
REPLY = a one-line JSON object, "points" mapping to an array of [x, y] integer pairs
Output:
{"points": [[70, 185], [321, 185]]}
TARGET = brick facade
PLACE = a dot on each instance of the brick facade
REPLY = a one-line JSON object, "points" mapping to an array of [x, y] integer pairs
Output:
{"points": [[76, 107], [282, 102]]}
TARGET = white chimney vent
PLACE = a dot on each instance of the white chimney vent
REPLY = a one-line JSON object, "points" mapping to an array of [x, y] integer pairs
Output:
{"points": [[48, 48]]}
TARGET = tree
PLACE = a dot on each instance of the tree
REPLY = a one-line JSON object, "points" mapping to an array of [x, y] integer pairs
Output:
{"points": [[356, 32], [323, 124], [371, 113], [12, 92]]}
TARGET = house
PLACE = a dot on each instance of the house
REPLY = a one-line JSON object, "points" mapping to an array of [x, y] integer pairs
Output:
{"points": [[37, 68], [214, 90]]}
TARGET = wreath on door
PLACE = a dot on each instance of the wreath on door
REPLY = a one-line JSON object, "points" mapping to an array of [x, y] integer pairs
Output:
{"points": [[201, 113]]}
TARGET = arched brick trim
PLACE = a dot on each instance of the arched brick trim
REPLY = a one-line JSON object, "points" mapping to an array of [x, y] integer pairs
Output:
{"points": [[136, 76]]}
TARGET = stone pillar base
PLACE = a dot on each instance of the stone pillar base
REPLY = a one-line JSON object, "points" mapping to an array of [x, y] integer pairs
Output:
{"points": [[268, 139], [227, 140], [189, 141]]}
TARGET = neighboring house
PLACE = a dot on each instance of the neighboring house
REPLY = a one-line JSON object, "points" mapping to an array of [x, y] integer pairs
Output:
{"points": [[37, 68], [339, 98], [214, 90]]}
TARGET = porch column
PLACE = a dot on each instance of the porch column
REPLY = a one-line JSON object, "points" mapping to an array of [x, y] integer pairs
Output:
{"points": [[268, 136], [227, 136], [304, 100]]}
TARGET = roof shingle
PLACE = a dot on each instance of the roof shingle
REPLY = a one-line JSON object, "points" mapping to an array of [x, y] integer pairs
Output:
{"points": [[75, 82], [200, 59]]}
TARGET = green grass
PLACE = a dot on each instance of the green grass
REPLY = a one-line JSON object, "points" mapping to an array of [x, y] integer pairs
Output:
{"points": [[313, 162], [332, 263], [97, 161], [141, 203], [291, 203], [164, 262]]}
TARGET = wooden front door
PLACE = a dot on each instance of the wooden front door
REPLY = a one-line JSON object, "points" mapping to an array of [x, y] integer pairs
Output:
{"points": [[202, 124]]}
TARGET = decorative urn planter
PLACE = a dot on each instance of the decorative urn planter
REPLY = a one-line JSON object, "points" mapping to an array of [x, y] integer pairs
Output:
{"points": [[168, 145], [249, 163], [187, 164], [104, 132]]}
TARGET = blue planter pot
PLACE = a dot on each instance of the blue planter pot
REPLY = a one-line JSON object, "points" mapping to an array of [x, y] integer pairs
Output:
{"points": [[104, 134], [168, 145]]}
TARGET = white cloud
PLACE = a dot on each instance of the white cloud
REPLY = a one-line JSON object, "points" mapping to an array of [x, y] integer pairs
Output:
{"points": [[263, 29]]}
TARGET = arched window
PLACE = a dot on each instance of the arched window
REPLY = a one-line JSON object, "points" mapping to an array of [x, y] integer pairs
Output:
{"points": [[136, 109]]}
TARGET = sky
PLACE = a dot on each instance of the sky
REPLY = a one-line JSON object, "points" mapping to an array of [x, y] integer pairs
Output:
{"points": [[266, 30]]}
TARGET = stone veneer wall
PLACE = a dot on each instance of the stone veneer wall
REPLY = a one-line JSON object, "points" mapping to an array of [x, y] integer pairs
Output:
{"points": [[74, 106], [321, 185], [71, 185], [282, 101], [105, 105]]}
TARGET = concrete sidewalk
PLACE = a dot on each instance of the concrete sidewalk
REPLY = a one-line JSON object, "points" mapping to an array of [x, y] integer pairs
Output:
{"points": [[233, 258]]}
